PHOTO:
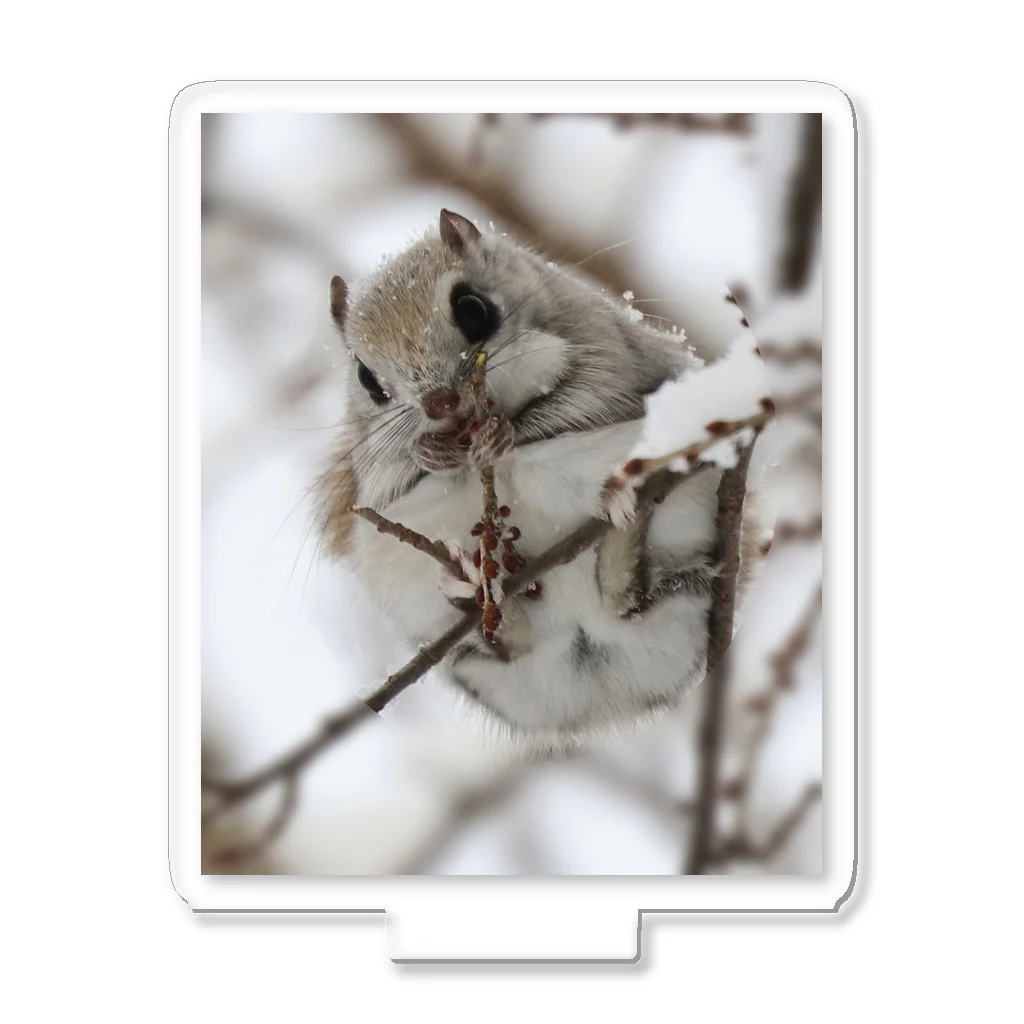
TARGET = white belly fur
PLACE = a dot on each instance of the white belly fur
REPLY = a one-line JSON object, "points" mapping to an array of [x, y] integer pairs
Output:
{"points": [[552, 487]]}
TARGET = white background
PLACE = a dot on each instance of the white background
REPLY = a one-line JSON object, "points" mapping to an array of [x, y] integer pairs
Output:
{"points": [[88, 907]]}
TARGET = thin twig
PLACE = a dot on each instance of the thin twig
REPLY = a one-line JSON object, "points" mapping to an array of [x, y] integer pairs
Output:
{"points": [[435, 549], [427, 658]]}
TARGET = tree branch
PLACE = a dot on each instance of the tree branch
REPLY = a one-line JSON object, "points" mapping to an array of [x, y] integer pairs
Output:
{"points": [[803, 211], [731, 493], [435, 549]]}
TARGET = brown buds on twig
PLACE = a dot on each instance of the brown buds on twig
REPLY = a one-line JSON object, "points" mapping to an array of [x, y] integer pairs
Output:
{"points": [[489, 533], [491, 528]]}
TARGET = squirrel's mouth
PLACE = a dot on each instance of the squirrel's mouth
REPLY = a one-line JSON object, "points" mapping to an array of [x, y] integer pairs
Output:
{"points": [[454, 426], [464, 419]]}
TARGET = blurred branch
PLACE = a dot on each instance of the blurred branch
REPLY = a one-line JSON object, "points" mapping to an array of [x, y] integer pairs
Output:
{"points": [[786, 532], [783, 665], [725, 124], [784, 661], [285, 769], [266, 226], [235, 834], [806, 351], [478, 141], [429, 161], [233, 854], [741, 847], [468, 807], [465, 809], [803, 211], [291, 386], [643, 790]]}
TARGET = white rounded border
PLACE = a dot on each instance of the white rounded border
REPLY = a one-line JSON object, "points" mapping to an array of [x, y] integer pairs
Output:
{"points": [[576, 919]]}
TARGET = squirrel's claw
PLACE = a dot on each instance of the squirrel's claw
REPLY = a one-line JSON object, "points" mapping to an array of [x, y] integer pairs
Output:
{"points": [[461, 582], [435, 452], [495, 438], [618, 502], [456, 589]]}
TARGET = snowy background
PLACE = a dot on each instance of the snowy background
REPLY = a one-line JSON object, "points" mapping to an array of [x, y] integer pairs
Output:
{"points": [[675, 209]]}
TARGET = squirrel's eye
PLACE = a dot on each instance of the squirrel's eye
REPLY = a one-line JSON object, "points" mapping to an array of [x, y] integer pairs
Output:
{"points": [[371, 384], [474, 315]]}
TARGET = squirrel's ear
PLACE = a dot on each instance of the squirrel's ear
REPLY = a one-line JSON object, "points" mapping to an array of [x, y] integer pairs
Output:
{"points": [[339, 293], [457, 232]]}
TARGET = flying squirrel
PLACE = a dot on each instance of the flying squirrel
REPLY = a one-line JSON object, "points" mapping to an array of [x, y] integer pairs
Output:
{"points": [[620, 632]]}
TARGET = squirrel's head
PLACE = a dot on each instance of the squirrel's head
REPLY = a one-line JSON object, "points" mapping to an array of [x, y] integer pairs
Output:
{"points": [[416, 326], [560, 356]]}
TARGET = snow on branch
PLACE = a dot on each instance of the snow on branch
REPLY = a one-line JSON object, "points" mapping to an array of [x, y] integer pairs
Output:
{"points": [[682, 412], [707, 415]]}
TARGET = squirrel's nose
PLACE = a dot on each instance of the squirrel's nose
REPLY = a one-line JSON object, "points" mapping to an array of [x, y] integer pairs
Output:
{"points": [[439, 405]]}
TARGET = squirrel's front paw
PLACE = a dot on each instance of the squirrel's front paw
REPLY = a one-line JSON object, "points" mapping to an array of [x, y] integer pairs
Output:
{"points": [[494, 438], [617, 502], [434, 452], [461, 583]]}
